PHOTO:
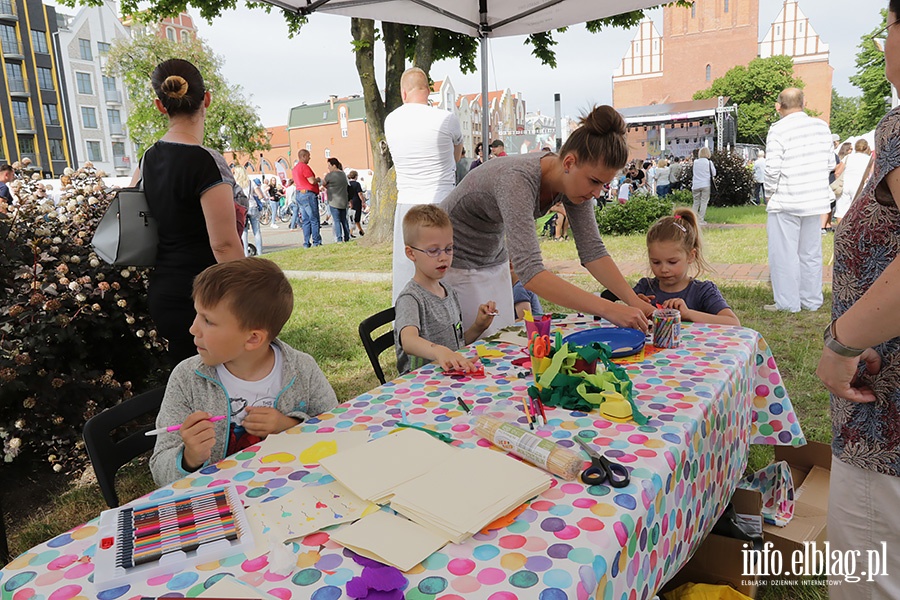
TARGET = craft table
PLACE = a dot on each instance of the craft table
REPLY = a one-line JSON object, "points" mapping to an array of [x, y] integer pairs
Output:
{"points": [[706, 402]]}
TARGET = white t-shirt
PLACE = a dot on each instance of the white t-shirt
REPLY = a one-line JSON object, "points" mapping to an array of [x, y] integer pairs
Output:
{"points": [[421, 139], [251, 393]]}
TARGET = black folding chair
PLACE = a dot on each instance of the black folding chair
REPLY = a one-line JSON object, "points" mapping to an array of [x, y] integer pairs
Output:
{"points": [[109, 454], [374, 347]]}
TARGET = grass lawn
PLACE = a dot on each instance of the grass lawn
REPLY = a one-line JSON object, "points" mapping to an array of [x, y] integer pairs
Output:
{"points": [[737, 245], [325, 322]]}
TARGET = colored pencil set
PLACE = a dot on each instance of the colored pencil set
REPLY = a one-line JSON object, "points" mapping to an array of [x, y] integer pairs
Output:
{"points": [[147, 533]]}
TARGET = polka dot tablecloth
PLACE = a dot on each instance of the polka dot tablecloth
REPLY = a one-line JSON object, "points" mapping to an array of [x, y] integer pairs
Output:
{"points": [[706, 401]]}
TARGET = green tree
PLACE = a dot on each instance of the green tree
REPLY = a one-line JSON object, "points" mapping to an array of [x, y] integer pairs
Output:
{"points": [[420, 45], [870, 78], [232, 123], [845, 115], [754, 89]]}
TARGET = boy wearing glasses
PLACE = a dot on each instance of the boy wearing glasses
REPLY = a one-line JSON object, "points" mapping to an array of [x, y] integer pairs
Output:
{"points": [[428, 322]]}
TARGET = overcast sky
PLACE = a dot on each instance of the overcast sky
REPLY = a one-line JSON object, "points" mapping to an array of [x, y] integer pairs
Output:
{"points": [[280, 72]]}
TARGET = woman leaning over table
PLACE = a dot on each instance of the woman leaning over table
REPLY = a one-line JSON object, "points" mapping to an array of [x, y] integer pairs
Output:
{"points": [[865, 406], [493, 211], [190, 191]]}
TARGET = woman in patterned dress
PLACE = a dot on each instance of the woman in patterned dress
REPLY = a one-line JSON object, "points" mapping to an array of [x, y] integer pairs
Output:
{"points": [[860, 364]]}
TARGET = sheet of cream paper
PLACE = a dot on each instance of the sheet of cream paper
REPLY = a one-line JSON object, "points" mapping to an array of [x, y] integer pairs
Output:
{"points": [[229, 587], [302, 512], [512, 337], [468, 491], [307, 448], [374, 470], [392, 540]]}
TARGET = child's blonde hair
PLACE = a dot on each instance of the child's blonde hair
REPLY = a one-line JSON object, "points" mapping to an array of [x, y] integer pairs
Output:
{"points": [[682, 228], [423, 215]]}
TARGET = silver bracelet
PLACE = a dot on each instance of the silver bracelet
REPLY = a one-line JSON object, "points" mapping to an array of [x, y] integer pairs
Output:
{"points": [[838, 348]]}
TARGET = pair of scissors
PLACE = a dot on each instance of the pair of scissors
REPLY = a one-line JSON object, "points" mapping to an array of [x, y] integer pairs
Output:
{"points": [[603, 470], [540, 346]]}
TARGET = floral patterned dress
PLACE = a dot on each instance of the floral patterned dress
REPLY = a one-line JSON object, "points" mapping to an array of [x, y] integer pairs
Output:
{"points": [[866, 242]]}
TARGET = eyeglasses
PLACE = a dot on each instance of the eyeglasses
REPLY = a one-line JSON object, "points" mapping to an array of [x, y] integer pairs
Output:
{"points": [[882, 33], [435, 252]]}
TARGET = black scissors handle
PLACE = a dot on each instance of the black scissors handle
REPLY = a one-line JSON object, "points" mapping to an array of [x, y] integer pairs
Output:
{"points": [[602, 470]]}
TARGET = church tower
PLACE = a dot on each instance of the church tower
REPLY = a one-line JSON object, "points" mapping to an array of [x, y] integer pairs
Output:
{"points": [[698, 44]]}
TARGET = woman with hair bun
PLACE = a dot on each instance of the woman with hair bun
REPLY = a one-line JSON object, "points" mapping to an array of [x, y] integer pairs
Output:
{"points": [[193, 195], [493, 211]]}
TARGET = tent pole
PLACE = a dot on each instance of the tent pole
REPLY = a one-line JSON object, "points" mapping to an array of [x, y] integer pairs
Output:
{"points": [[485, 104]]}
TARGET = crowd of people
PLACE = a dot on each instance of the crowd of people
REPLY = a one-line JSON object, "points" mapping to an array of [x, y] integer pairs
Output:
{"points": [[468, 262]]}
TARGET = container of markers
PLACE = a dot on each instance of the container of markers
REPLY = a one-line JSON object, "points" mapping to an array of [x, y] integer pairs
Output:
{"points": [[666, 328]]}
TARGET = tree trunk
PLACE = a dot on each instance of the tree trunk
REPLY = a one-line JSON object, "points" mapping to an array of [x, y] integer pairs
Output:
{"points": [[424, 54], [384, 186], [395, 64]]}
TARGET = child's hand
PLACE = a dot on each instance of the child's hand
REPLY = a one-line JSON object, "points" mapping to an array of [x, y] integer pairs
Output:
{"points": [[263, 420], [679, 305], [199, 437], [451, 361], [648, 299], [486, 314]]}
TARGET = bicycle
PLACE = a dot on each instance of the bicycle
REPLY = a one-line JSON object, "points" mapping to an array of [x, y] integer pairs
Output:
{"points": [[265, 214]]}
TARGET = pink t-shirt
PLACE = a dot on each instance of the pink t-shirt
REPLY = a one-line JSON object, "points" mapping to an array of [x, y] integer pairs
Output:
{"points": [[302, 173]]}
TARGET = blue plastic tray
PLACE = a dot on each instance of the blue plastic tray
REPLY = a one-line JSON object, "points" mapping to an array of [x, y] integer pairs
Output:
{"points": [[621, 340]]}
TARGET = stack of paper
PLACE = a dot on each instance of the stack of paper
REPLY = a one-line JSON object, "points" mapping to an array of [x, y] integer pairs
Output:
{"points": [[390, 539], [373, 471], [467, 491]]}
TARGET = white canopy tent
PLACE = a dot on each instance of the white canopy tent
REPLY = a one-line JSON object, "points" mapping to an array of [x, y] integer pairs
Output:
{"points": [[478, 18]]}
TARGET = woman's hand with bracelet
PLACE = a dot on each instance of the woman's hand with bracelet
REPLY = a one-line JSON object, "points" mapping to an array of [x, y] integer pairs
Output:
{"points": [[839, 368]]}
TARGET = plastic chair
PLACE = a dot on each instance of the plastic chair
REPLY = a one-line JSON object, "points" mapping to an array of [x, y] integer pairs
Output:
{"points": [[109, 454], [374, 347]]}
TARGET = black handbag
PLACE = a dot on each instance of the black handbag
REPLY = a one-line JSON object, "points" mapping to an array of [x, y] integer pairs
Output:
{"points": [[127, 235]]}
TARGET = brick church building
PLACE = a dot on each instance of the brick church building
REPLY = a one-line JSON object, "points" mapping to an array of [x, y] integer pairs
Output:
{"points": [[698, 45]]}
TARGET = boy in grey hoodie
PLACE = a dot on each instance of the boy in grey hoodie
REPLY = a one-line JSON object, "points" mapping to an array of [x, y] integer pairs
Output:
{"points": [[259, 384]]}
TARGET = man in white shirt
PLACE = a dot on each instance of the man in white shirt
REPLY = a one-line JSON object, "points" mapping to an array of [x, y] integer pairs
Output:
{"points": [[425, 144], [799, 156], [759, 176]]}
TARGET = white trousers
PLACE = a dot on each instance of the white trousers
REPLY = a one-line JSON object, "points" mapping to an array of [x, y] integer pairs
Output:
{"points": [[861, 515], [402, 268], [795, 261], [477, 286]]}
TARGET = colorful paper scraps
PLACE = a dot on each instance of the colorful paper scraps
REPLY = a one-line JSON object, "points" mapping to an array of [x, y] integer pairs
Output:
{"points": [[377, 581], [478, 371], [540, 327], [485, 352], [307, 448], [504, 521], [304, 511], [563, 384]]}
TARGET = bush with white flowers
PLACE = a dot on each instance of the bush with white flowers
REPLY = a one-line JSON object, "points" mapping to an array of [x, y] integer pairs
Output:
{"points": [[75, 333]]}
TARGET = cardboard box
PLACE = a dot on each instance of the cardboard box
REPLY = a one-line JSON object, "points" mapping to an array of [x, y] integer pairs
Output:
{"points": [[811, 470], [719, 559]]}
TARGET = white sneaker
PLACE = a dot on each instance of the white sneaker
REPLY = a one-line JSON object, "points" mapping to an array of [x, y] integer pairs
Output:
{"points": [[274, 226]]}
